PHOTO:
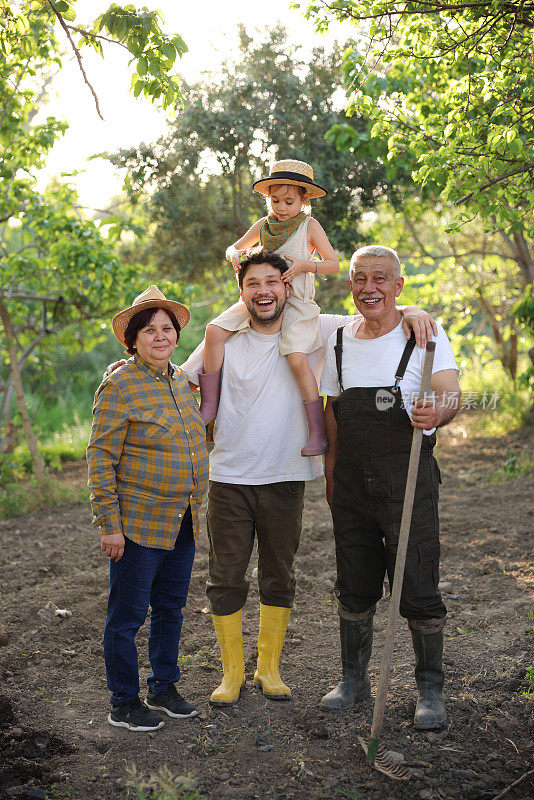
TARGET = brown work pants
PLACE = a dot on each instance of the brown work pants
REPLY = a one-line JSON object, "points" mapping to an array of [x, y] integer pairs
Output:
{"points": [[236, 512]]}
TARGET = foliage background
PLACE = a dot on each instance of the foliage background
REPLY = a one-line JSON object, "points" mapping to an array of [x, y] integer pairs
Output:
{"points": [[422, 136]]}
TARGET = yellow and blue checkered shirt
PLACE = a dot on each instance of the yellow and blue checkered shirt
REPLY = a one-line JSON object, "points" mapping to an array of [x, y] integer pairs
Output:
{"points": [[147, 455]]}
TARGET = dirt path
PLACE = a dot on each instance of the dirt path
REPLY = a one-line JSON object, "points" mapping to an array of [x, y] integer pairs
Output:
{"points": [[53, 697]]}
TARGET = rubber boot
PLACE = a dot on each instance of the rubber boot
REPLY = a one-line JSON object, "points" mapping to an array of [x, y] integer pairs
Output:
{"points": [[430, 710], [273, 626], [230, 637], [356, 645], [316, 444], [210, 392]]}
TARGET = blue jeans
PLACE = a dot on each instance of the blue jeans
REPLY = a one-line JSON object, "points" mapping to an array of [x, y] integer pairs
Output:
{"points": [[143, 576]]}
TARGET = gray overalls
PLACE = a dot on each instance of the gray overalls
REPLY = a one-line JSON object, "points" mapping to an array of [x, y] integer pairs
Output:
{"points": [[369, 481]]}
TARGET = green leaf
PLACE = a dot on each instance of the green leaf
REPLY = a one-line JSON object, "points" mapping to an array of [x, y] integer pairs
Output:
{"points": [[169, 50], [142, 67], [60, 6]]}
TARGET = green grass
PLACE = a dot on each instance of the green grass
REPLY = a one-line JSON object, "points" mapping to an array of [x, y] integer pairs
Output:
{"points": [[18, 493], [482, 382], [515, 466], [21, 497], [67, 443]]}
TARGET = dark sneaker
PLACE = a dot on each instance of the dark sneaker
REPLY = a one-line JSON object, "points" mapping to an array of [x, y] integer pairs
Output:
{"points": [[172, 703], [135, 716]]}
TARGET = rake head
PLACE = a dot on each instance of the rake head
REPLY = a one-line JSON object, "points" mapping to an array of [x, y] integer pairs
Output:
{"points": [[379, 759]]}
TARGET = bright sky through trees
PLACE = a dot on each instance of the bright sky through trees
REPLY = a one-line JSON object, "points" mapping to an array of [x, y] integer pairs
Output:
{"points": [[209, 29]]}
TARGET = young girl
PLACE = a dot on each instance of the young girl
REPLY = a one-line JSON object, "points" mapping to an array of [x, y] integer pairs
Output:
{"points": [[294, 234]]}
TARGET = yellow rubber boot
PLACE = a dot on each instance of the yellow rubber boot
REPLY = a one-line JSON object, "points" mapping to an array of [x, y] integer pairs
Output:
{"points": [[230, 637], [273, 626]]}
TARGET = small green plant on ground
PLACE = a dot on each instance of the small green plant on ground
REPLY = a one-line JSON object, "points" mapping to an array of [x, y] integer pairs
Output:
{"points": [[516, 465], [162, 785], [529, 691], [203, 658]]}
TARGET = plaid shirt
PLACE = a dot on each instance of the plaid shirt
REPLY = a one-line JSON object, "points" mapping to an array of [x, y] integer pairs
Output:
{"points": [[146, 455]]}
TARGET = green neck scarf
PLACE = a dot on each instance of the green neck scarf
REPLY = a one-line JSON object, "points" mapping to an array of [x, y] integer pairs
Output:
{"points": [[274, 233]]}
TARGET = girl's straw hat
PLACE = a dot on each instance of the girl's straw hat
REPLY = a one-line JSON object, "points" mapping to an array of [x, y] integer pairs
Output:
{"points": [[294, 173], [150, 298]]}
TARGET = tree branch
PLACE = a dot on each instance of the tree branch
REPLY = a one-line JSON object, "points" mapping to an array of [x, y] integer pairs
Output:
{"points": [[39, 98], [435, 8], [498, 179], [508, 788], [78, 56], [15, 295], [415, 235], [472, 253], [90, 35]]}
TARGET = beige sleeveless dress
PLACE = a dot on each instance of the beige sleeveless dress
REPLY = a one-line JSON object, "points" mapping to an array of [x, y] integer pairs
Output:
{"points": [[300, 323]]}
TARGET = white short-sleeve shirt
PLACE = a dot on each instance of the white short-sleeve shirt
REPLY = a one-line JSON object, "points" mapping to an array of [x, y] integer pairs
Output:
{"points": [[373, 362], [260, 426]]}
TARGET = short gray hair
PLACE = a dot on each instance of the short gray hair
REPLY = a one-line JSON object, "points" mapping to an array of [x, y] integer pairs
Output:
{"points": [[377, 250]]}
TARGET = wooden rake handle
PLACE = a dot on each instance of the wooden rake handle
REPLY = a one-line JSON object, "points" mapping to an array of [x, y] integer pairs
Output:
{"points": [[394, 601]]}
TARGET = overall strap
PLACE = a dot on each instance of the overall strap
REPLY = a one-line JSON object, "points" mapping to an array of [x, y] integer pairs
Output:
{"points": [[403, 363], [338, 350]]}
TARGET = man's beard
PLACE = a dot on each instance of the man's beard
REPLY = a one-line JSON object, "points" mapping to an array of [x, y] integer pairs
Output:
{"points": [[267, 321]]}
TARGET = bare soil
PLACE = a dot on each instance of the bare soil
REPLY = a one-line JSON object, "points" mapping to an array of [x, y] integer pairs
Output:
{"points": [[53, 697]]}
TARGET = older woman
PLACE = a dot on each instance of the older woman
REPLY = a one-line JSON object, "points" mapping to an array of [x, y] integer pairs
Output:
{"points": [[147, 472]]}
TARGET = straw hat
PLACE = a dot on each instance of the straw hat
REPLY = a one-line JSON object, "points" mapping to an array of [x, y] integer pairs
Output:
{"points": [[294, 173], [150, 298]]}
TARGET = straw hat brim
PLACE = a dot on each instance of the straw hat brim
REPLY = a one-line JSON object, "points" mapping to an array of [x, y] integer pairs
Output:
{"points": [[262, 186], [120, 321]]}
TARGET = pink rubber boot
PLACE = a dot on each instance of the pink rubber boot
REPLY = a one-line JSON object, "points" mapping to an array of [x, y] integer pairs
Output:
{"points": [[316, 444], [210, 392]]}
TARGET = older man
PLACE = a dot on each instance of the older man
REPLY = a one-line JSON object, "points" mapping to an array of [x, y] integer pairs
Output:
{"points": [[369, 377], [257, 476]]}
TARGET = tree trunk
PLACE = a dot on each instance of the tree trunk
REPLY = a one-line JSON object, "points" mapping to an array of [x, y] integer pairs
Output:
{"points": [[507, 348], [37, 461], [524, 257], [511, 355], [8, 441], [520, 251]]}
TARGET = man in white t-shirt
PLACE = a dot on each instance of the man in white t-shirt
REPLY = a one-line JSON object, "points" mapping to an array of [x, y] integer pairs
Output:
{"points": [[370, 376], [257, 475], [257, 480]]}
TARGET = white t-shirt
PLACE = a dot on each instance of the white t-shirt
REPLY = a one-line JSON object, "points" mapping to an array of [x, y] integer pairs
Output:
{"points": [[260, 426], [373, 362]]}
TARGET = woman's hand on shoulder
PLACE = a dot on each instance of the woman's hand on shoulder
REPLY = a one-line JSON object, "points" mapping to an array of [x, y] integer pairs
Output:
{"points": [[112, 367], [421, 322], [112, 544]]}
